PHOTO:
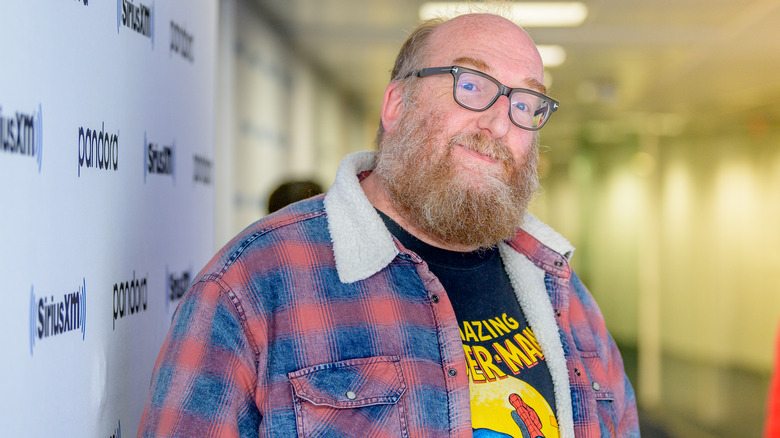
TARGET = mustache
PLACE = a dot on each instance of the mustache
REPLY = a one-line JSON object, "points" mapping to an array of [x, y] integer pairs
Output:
{"points": [[481, 143]]}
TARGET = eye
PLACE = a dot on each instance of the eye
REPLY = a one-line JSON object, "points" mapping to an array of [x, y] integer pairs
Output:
{"points": [[521, 106], [524, 103], [468, 86]]}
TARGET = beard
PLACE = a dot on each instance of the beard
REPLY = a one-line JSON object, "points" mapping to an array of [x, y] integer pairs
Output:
{"points": [[451, 201]]}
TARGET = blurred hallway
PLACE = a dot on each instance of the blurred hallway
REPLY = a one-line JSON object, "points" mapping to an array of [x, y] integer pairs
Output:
{"points": [[662, 167]]}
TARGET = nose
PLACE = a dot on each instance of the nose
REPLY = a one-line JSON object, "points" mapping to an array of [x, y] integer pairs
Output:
{"points": [[495, 120]]}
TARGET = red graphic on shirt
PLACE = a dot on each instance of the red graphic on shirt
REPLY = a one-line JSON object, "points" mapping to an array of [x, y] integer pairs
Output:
{"points": [[528, 415]]}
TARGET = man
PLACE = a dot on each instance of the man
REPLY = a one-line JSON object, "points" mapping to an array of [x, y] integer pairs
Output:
{"points": [[417, 295]]}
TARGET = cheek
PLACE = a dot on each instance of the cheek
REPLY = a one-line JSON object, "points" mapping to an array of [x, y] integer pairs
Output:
{"points": [[522, 144], [459, 121]]}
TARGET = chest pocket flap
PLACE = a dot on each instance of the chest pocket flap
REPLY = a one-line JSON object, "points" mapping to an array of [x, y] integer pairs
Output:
{"points": [[351, 383]]}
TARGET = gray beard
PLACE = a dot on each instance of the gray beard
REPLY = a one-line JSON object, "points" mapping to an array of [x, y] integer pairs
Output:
{"points": [[426, 187]]}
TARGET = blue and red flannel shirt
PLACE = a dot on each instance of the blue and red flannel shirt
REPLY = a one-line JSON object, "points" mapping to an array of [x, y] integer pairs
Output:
{"points": [[315, 321]]}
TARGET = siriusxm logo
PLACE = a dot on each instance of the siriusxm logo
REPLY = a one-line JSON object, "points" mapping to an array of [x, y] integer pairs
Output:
{"points": [[22, 134], [181, 42], [130, 298], [201, 170], [176, 285], [50, 317], [159, 160], [98, 149], [138, 18]]}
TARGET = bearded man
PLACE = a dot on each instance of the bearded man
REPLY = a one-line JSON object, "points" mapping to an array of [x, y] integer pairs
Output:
{"points": [[418, 297]]}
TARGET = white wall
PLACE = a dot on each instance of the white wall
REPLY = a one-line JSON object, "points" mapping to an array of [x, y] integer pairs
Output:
{"points": [[70, 230]]}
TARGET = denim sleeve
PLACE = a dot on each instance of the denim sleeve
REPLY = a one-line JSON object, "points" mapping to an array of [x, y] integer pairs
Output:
{"points": [[205, 376]]}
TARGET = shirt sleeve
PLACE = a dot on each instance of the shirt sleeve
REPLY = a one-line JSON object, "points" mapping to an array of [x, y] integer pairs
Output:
{"points": [[204, 380]]}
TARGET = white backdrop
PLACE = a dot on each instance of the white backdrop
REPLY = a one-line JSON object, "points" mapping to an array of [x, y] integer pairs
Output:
{"points": [[106, 201]]}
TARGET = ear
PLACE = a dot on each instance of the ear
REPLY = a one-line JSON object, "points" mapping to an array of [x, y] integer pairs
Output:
{"points": [[392, 105]]}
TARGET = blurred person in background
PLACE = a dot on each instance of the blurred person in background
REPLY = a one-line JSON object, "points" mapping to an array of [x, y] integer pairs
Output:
{"points": [[292, 191], [418, 297]]}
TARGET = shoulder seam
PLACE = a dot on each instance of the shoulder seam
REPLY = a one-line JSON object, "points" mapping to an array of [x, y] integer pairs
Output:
{"points": [[217, 280], [235, 254]]}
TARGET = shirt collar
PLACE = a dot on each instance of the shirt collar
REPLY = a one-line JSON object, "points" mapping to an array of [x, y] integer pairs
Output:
{"points": [[363, 246]]}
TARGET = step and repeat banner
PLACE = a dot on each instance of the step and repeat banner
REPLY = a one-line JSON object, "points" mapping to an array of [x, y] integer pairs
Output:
{"points": [[106, 201]]}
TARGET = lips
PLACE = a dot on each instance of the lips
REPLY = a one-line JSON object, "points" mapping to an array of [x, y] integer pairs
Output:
{"points": [[480, 155], [481, 145]]}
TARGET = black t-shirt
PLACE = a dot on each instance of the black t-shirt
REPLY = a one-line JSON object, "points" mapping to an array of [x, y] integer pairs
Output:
{"points": [[510, 384]]}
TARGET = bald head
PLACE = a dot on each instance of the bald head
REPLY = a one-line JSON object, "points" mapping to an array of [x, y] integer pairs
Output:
{"points": [[493, 41], [486, 42], [490, 26]]}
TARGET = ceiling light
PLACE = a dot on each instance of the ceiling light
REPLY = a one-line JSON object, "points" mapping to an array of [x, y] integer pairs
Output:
{"points": [[526, 14], [552, 55]]}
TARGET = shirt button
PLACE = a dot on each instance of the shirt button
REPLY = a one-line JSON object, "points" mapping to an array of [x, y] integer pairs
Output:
{"points": [[435, 298], [557, 312], [577, 371], [351, 395], [596, 386], [452, 372], [558, 263]]}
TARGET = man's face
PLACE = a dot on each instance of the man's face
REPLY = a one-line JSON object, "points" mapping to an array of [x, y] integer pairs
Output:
{"points": [[494, 46], [455, 201], [464, 177]]}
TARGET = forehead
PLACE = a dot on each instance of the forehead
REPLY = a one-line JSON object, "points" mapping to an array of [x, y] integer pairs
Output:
{"points": [[499, 47]]}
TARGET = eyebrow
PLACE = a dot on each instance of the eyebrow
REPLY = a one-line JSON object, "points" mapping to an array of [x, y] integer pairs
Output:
{"points": [[536, 85], [485, 67]]}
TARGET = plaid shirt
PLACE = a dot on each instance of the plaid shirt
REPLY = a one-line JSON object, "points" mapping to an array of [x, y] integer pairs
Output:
{"points": [[315, 321]]}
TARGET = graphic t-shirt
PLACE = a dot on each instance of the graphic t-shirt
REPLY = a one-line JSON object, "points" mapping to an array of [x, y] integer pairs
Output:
{"points": [[510, 384]]}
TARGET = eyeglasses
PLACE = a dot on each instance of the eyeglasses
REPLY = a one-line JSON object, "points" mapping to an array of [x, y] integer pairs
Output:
{"points": [[477, 91]]}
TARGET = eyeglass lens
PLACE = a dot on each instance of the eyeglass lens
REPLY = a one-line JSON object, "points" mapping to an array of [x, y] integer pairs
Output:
{"points": [[476, 92]]}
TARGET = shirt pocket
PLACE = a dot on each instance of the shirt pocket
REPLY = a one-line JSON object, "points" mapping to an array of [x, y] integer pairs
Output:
{"points": [[597, 373], [586, 341], [351, 398], [601, 392]]}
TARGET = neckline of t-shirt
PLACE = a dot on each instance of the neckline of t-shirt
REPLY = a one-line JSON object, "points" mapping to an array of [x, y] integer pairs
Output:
{"points": [[435, 255]]}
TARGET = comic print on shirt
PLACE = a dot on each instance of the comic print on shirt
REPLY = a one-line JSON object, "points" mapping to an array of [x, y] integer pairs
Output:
{"points": [[502, 403]]}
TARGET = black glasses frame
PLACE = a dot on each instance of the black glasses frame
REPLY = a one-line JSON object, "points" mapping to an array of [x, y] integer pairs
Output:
{"points": [[503, 90]]}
